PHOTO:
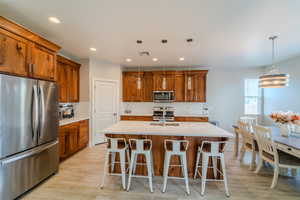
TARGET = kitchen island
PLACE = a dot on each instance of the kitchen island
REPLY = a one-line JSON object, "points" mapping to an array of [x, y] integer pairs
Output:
{"points": [[194, 132]]}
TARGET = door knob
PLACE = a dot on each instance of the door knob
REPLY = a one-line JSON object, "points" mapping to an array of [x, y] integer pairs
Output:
{"points": [[115, 114]]}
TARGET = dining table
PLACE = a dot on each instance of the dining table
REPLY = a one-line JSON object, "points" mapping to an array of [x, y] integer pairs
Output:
{"points": [[288, 144]]}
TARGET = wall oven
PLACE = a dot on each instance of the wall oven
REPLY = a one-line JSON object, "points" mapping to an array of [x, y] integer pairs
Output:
{"points": [[163, 96]]}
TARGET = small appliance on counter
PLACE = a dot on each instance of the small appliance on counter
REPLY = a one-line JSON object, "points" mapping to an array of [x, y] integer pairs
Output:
{"points": [[66, 111], [163, 96], [161, 113]]}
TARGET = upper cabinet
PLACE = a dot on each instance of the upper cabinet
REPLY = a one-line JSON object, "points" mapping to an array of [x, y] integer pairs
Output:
{"points": [[13, 53], [163, 81], [137, 86], [68, 80], [43, 63], [195, 86], [189, 86], [132, 86], [24, 53]]}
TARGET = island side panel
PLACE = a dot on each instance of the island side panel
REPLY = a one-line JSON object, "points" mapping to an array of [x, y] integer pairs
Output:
{"points": [[159, 152]]}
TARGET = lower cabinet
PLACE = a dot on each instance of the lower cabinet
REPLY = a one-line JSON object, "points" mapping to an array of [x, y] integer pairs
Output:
{"points": [[72, 138]]}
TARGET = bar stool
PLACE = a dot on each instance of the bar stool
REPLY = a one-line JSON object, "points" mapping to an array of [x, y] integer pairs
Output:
{"points": [[179, 148], [141, 147], [116, 145], [215, 153]]}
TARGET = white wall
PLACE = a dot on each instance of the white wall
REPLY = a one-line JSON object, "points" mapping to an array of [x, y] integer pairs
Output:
{"points": [[225, 94], [288, 98], [101, 70]]}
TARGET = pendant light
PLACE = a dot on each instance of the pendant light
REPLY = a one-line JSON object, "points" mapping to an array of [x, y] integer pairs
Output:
{"points": [[273, 78], [164, 80], [139, 80]]}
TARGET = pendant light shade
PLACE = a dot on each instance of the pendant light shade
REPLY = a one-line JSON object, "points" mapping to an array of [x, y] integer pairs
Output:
{"points": [[273, 79]]}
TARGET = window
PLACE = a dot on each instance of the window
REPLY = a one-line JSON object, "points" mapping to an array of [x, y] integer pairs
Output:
{"points": [[252, 97]]}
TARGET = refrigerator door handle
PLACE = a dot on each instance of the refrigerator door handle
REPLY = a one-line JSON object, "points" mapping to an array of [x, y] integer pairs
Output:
{"points": [[34, 111], [41, 110], [24, 155]]}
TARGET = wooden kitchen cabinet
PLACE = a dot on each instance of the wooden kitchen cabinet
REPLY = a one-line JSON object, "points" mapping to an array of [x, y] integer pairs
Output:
{"points": [[74, 84], [43, 63], [147, 87], [83, 133], [131, 91], [13, 54], [73, 134], [72, 138], [24, 53], [179, 86], [164, 81], [68, 80], [195, 91], [63, 137]]}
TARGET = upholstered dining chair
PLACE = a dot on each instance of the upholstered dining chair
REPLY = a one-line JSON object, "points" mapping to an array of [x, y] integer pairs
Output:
{"points": [[268, 152], [248, 143]]}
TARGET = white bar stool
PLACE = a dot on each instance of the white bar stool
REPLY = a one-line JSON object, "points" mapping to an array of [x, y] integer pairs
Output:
{"points": [[181, 152], [116, 145], [215, 153], [138, 147]]}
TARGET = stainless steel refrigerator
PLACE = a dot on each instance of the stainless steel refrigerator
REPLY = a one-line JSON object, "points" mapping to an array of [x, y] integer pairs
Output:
{"points": [[28, 133]]}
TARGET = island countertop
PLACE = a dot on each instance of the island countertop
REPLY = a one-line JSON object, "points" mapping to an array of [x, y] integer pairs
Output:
{"points": [[190, 129]]}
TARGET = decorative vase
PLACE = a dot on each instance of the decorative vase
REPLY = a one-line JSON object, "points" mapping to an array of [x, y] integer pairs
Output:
{"points": [[285, 130]]}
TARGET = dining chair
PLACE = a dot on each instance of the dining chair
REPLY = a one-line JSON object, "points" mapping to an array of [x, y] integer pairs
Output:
{"points": [[251, 121], [248, 143], [268, 152]]}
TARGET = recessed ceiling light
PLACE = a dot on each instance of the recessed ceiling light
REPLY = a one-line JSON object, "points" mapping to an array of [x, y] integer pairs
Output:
{"points": [[128, 60], [181, 59], [93, 49], [54, 20], [154, 59]]}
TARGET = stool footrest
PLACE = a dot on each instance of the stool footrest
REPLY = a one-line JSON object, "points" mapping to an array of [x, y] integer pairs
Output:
{"points": [[175, 177], [140, 176]]}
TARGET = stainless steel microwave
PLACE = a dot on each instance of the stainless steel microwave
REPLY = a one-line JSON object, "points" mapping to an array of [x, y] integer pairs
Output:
{"points": [[163, 96]]}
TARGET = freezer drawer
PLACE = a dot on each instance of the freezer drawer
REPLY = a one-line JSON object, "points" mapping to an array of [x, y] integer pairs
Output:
{"points": [[21, 172]]}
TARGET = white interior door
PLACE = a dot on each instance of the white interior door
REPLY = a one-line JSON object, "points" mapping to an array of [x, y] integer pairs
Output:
{"points": [[105, 107]]}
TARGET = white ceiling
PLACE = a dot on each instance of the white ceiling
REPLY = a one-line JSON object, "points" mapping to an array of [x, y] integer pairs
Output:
{"points": [[226, 33]]}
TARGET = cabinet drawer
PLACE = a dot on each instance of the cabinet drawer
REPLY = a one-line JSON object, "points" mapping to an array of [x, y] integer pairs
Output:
{"points": [[289, 150]]}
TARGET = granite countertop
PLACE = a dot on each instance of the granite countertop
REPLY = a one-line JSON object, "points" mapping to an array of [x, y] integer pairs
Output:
{"points": [[197, 129], [72, 120]]}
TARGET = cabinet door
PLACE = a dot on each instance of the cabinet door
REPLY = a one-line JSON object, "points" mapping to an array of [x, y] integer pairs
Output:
{"points": [[179, 87], [164, 81], [83, 134], [195, 87], [62, 80], [131, 91], [13, 54], [62, 142], [147, 87], [43, 63], [74, 83], [73, 138]]}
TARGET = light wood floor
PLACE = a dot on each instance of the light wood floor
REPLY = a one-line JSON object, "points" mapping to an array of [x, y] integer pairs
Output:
{"points": [[79, 177]]}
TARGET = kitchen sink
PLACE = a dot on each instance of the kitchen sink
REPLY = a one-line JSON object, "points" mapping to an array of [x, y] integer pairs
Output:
{"points": [[164, 124]]}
